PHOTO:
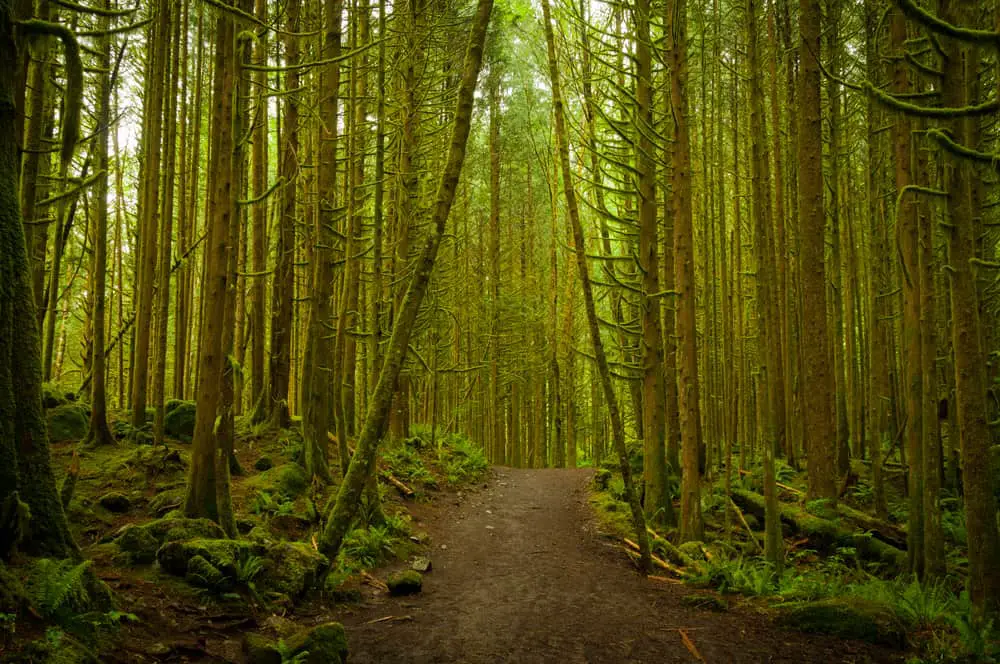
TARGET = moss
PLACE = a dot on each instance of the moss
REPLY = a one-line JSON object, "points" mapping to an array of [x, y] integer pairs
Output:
{"points": [[68, 422], [224, 554], [138, 544], [601, 480], [12, 596], [693, 550], [142, 542], [166, 501], [325, 644], [847, 618], [292, 479], [407, 582], [342, 589], [204, 574], [115, 501], [52, 396], [292, 568], [259, 650], [178, 421]]}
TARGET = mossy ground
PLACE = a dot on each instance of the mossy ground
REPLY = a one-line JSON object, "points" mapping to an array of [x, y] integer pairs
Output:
{"points": [[273, 568]]}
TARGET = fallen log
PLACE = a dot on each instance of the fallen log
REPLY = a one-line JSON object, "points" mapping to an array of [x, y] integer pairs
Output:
{"points": [[786, 487], [676, 556], [824, 534], [887, 532], [659, 562]]}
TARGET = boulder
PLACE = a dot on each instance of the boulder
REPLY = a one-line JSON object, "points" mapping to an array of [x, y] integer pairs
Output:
{"points": [[292, 568], [178, 420], [204, 574], [69, 421], [142, 542], [847, 618], [165, 501], [52, 397], [264, 463], [323, 644], [292, 479], [116, 502], [407, 582], [259, 650], [223, 554]]}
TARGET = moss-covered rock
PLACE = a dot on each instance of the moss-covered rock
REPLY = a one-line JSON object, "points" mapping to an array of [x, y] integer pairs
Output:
{"points": [[115, 501], [165, 501], [142, 542], [342, 588], [407, 582], [292, 568], [260, 650], [292, 479], [263, 463], [153, 461], [602, 478], [325, 644], [69, 421], [204, 574], [847, 618], [223, 554], [178, 420], [138, 544], [52, 396], [693, 550]]}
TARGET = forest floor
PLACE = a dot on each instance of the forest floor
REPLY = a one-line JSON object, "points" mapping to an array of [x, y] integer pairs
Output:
{"points": [[521, 574]]}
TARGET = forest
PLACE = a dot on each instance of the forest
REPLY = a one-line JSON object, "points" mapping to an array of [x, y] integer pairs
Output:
{"points": [[499, 330]]}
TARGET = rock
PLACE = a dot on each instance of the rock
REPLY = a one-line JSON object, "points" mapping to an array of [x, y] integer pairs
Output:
{"points": [[847, 618], [292, 568], [154, 461], [292, 479], [407, 582], [421, 565], [166, 501], [264, 463], [259, 650], [116, 502], [142, 542], [325, 644], [52, 397], [178, 421], [138, 544], [224, 554], [343, 590], [67, 422], [204, 574]]}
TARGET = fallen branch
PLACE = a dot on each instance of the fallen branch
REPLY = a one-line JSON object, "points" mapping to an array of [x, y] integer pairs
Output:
{"points": [[389, 619], [790, 489], [386, 475], [743, 520], [825, 534], [675, 554], [373, 582], [689, 644], [659, 562]]}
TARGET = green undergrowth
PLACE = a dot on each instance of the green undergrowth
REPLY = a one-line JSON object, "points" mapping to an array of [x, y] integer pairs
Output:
{"points": [[141, 539], [837, 587]]}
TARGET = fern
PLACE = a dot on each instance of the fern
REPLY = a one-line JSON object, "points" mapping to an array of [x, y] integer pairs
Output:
{"points": [[60, 587]]}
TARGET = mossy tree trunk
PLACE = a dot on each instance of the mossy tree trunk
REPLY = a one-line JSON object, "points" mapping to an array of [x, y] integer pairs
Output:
{"points": [[345, 507], [209, 461], [580, 251], [25, 464]]}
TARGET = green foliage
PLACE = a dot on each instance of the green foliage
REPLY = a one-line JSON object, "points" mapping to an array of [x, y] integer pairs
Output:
{"points": [[365, 548], [59, 588], [404, 462], [462, 460]]}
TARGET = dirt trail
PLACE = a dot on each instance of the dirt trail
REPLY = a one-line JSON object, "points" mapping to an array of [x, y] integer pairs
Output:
{"points": [[520, 575]]}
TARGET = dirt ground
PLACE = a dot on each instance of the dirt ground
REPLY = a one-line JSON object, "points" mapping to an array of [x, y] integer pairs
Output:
{"points": [[520, 574]]}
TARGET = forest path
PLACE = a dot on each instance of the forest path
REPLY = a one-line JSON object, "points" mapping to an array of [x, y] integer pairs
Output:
{"points": [[520, 575]]}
